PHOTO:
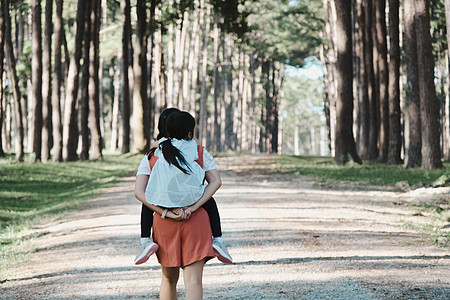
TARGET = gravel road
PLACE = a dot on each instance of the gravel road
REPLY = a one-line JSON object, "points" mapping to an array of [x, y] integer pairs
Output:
{"points": [[290, 237]]}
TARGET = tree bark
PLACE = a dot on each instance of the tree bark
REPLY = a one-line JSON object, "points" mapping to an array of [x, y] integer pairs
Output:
{"points": [[140, 138], [447, 106], [94, 84], [85, 87], [429, 113], [2, 69], [371, 82], [217, 85], [413, 136], [205, 28], [36, 78], [364, 117], [70, 127], [13, 78], [383, 79], [126, 38], [395, 135], [345, 143], [47, 83], [57, 82]]}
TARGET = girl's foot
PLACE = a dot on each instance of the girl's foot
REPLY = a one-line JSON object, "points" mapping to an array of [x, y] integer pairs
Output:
{"points": [[146, 249], [221, 251]]}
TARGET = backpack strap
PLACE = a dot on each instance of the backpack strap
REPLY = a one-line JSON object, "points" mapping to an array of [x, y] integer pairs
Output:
{"points": [[152, 159], [200, 155]]}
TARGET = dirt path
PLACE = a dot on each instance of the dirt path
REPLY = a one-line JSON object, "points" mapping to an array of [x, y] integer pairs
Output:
{"points": [[289, 237]]}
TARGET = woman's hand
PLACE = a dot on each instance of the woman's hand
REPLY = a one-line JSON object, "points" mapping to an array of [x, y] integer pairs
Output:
{"points": [[178, 214]]}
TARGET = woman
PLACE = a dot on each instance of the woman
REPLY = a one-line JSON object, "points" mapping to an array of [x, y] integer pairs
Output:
{"points": [[174, 190]]}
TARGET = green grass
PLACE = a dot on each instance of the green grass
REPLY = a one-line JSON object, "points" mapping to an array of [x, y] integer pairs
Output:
{"points": [[32, 191], [369, 172]]}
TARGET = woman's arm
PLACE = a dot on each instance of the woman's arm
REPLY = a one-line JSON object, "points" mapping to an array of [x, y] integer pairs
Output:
{"points": [[214, 183], [139, 193]]}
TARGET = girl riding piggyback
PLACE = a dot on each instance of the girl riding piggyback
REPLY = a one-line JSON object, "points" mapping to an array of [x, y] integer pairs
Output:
{"points": [[176, 181]]}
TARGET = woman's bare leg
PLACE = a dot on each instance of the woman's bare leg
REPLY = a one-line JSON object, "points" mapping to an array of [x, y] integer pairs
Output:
{"points": [[168, 290], [193, 275]]}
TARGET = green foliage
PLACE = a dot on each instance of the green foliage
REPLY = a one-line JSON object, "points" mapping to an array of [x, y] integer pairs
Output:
{"points": [[286, 31], [369, 172]]}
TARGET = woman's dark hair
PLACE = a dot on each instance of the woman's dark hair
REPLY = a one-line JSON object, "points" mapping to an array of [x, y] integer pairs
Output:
{"points": [[162, 126], [178, 126]]}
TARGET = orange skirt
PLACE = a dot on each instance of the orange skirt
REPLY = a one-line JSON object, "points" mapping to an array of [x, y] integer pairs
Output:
{"points": [[182, 243]]}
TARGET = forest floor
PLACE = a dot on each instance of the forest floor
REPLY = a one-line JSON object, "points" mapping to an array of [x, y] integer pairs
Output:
{"points": [[290, 237]]}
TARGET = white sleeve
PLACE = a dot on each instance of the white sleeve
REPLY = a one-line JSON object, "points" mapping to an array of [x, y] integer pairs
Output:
{"points": [[144, 167], [208, 161]]}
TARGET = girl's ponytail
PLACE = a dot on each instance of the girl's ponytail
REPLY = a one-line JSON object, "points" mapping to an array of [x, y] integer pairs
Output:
{"points": [[174, 156], [178, 125]]}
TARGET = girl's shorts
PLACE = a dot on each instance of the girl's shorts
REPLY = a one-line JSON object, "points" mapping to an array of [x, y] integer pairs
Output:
{"points": [[182, 243]]}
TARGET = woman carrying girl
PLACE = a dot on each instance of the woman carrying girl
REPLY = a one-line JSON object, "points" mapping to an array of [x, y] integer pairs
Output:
{"points": [[147, 245], [175, 191]]}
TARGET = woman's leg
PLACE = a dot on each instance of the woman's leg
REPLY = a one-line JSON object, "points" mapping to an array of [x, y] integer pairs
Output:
{"points": [[168, 290], [193, 275]]}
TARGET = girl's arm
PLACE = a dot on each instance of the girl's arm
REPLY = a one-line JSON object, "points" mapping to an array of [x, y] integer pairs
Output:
{"points": [[139, 193], [214, 183]]}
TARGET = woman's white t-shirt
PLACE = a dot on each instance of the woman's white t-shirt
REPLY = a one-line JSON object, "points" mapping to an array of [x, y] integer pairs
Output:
{"points": [[168, 186]]}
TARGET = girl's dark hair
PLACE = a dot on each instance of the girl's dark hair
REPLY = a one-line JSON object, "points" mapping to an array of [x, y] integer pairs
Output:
{"points": [[162, 126], [162, 121], [178, 126]]}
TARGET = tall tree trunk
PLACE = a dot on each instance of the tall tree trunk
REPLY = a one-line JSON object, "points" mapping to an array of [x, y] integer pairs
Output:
{"points": [[413, 136], [205, 28], [383, 79], [227, 93], [194, 54], [13, 78], [170, 60], [429, 113], [330, 74], [36, 77], [345, 143], [217, 85], [115, 104], [70, 127], [47, 140], [395, 135], [94, 84], [364, 116], [447, 106], [140, 138], [85, 87], [371, 82], [126, 39], [2, 69], [56, 88]]}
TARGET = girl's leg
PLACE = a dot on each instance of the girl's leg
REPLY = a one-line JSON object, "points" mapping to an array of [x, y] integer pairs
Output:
{"points": [[168, 290], [193, 275], [147, 246], [214, 218], [146, 221]]}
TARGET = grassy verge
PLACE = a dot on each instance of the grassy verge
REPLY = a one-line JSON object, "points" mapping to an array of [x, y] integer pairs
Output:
{"points": [[32, 191], [371, 173]]}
